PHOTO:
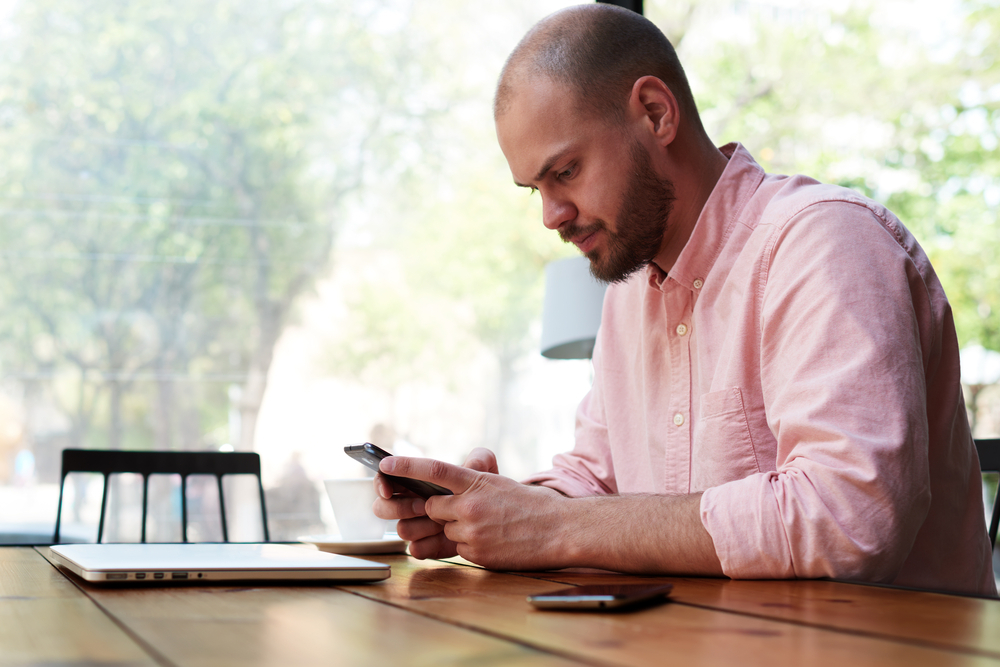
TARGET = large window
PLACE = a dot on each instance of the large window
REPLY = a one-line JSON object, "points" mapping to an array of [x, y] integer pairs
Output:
{"points": [[211, 220], [286, 226]]}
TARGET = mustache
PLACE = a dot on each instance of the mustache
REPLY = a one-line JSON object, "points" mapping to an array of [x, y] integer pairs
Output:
{"points": [[576, 231]]}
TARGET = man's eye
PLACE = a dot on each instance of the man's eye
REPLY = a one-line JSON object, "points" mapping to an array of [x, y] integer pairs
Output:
{"points": [[564, 174]]}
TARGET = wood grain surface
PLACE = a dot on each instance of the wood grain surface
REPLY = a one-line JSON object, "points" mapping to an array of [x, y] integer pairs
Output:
{"points": [[453, 613], [45, 619], [202, 626], [675, 633], [953, 622]]}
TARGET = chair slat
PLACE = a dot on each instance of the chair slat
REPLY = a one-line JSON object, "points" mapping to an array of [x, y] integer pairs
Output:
{"points": [[146, 463], [989, 461]]}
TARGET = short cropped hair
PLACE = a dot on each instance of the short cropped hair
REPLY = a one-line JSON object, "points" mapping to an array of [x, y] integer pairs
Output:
{"points": [[599, 51]]}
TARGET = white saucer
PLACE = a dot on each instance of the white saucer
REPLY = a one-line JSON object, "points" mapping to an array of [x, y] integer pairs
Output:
{"points": [[389, 544]]}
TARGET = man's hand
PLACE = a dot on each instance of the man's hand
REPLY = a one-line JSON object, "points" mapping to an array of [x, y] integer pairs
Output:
{"points": [[426, 536], [491, 520], [501, 524]]}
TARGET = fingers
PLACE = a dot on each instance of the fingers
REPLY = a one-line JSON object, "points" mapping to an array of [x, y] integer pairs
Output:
{"points": [[399, 507], [456, 478], [483, 460], [387, 489], [382, 487], [428, 531], [419, 528], [426, 538], [435, 546]]}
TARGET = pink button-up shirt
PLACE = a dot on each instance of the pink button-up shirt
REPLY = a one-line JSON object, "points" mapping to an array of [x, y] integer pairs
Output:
{"points": [[799, 366]]}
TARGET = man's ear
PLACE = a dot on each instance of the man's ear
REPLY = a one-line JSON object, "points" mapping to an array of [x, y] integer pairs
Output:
{"points": [[656, 108]]}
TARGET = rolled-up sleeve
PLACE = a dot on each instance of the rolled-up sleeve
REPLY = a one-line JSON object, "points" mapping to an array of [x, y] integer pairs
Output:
{"points": [[845, 335]]}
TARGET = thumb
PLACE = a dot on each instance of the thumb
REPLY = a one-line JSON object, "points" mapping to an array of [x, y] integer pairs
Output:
{"points": [[483, 460]]}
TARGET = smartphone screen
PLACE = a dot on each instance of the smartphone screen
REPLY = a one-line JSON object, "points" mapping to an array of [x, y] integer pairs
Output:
{"points": [[369, 455], [600, 596]]}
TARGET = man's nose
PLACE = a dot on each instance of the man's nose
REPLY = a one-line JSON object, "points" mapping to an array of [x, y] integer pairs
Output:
{"points": [[556, 212]]}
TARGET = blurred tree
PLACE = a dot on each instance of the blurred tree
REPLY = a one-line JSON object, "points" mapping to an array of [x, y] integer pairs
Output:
{"points": [[488, 251], [468, 247], [871, 100], [854, 97], [173, 178], [467, 278], [952, 142]]}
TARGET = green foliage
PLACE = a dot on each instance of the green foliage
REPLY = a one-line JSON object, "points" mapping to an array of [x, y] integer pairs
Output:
{"points": [[468, 274], [172, 180], [950, 143], [469, 248], [174, 177], [393, 335], [844, 97], [859, 100], [487, 248]]}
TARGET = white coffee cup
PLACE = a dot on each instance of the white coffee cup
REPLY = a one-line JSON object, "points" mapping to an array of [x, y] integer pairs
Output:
{"points": [[352, 501]]}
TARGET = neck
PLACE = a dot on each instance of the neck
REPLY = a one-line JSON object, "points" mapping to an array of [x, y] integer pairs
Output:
{"points": [[700, 165]]}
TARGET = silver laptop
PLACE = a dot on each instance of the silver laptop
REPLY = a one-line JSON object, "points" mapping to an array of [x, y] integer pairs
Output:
{"points": [[193, 563]]}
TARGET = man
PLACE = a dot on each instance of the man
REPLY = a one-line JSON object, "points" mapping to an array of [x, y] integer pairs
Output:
{"points": [[776, 389]]}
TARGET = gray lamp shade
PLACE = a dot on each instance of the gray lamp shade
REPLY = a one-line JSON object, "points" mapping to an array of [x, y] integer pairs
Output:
{"points": [[571, 312]]}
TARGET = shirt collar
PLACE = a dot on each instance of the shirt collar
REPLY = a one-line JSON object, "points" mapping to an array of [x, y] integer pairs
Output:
{"points": [[736, 186]]}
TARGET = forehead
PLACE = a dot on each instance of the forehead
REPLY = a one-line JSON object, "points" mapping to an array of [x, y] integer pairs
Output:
{"points": [[542, 119]]}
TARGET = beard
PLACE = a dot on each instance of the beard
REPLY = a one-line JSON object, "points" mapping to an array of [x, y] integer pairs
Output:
{"points": [[640, 224]]}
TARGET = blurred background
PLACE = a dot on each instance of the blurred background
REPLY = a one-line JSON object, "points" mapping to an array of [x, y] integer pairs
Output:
{"points": [[285, 227]]}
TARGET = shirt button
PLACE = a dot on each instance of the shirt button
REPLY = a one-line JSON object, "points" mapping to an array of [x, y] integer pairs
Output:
{"points": [[698, 283], [679, 419], [681, 329]]}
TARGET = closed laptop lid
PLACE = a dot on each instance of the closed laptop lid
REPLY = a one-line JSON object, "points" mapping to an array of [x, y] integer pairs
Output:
{"points": [[192, 563]]}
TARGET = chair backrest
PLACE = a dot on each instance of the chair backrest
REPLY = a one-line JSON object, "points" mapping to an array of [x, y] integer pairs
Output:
{"points": [[108, 462], [989, 461]]}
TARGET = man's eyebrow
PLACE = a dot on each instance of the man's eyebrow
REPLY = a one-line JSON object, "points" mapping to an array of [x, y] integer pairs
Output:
{"points": [[551, 162]]}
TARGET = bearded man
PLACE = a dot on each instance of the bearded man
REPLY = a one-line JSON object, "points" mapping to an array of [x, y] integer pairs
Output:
{"points": [[776, 379]]}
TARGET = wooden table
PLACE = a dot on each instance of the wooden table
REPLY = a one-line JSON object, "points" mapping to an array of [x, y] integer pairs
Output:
{"points": [[439, 613]]}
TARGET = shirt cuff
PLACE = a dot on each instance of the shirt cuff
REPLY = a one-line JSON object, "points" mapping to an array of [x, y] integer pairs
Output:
{"points": [[562, 481], [743, 520]]}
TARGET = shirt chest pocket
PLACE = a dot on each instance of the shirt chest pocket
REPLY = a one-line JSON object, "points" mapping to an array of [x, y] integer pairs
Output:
{"points": [[722, 449]]}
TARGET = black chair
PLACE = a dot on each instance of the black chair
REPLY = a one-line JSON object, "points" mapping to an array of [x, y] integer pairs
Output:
{"points": [[145, 463], [989, 461]]}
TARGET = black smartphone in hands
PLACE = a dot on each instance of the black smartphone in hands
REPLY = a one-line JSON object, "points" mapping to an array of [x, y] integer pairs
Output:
{"points": [[369, 456], [600, 596]]}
